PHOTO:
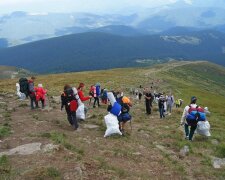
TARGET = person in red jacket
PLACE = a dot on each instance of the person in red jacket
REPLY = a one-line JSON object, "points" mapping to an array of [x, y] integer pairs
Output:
{"points": [[40, 95], [82, 97], [81, 93]]}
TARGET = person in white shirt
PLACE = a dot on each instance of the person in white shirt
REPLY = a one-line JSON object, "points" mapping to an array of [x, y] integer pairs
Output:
{"points": [[189, 134]]}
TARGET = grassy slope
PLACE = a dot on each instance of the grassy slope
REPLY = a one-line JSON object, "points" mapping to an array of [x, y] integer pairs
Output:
{"points": [[184, 79]]}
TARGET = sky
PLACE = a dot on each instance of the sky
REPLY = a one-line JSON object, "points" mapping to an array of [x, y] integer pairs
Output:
{"points": [[92, 6]]}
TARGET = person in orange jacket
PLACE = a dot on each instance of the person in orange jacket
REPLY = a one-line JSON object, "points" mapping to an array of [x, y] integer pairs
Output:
{"points": [[40, 95]]}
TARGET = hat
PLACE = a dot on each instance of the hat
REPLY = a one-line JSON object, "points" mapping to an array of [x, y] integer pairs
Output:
{"points": [[40, 85], [193, 98], [126, 100]]}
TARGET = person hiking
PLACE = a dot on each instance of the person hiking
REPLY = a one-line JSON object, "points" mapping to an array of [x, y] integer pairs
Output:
{"points": [[82, 97], [161, 103], [185, 121], [91, 93], [31, 92], [139, 95], [69, 100], [170, 103], [104, 96], [148, 101], [97, 93], [177, 102], [40, 95], [81, 93]]}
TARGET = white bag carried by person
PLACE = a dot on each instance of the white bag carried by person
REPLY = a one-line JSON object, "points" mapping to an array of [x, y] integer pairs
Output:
{"points": [[203, 128], [112, 125], [80, 114], [22, 96]]}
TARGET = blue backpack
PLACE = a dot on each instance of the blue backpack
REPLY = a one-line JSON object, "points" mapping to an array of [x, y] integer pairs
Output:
{"points": [[194, 115]]}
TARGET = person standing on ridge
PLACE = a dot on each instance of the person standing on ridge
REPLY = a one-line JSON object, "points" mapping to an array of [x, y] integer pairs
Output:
{"points": [[148, 97]]}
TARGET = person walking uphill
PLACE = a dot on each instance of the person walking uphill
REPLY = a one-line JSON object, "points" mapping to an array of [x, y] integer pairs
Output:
{"points": [[148, 97], [186, 123], [69, 99], [32, 92], [161, 103], [97, 93], [40, 95], [82, 97]]}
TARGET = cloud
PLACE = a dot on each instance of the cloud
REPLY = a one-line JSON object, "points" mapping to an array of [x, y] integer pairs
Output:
{"points": [[98, 6]]}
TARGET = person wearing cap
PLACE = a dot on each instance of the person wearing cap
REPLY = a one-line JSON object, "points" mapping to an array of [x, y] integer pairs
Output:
{"points": [[32, 92], [124, 115], [189, 133]]}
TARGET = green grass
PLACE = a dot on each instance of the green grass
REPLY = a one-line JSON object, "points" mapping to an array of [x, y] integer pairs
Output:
{"points": [[4, 131], [60, 138], [5, 167], [53, 172], [204, 80]]}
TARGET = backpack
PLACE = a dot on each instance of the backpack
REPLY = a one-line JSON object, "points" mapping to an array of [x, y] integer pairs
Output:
{"points": [[194, 115], [24, 85], [70, 99]]}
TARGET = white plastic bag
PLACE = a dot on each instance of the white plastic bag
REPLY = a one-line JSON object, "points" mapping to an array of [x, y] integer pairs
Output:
{"points": [[80, 114], [22, 96], [203, 128], [111, 98], [112, 125]]}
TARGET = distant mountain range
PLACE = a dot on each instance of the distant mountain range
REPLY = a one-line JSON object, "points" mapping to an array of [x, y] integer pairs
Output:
{"points": [[97, 50], [10, 72], [23, 27]]}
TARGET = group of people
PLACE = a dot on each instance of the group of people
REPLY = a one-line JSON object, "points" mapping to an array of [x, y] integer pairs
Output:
{"points": [[26, 88], [73, 98]]}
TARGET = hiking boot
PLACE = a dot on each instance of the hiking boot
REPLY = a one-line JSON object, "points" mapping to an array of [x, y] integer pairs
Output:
{"points": [[187, 137]]}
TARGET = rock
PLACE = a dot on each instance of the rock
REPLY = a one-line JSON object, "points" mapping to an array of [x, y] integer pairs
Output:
{"points": [[47, 109], [218, 162], [25, 149], [1, 116], [137, 153], [79, 171], [90, 126], [56, 99], [50, 147], [10, 109], [184, 151], [10, 95], [214, 142], [171, 153]]}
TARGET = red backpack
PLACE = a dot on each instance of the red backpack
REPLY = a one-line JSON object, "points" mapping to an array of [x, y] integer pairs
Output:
{"points": [[71, 100]]}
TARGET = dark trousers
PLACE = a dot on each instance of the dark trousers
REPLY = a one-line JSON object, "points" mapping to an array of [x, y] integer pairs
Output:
{"points": [[32, 100], [148, 107], [42, 103], [71, 117], [192, 131], [96, 100], [161, 112]]}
